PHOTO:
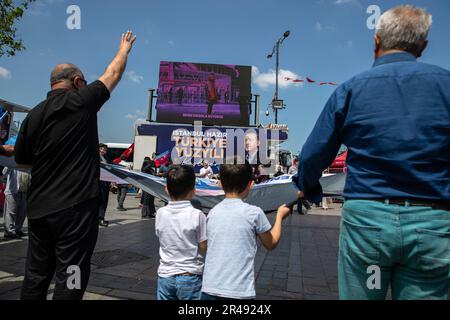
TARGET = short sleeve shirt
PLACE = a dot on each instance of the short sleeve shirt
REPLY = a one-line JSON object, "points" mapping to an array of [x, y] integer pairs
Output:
{"points": [[180, 228], [232, 230], [59, 139], [208, 171]]}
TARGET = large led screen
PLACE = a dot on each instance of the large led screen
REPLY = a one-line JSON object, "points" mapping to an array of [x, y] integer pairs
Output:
{"points": [[211, 93]]}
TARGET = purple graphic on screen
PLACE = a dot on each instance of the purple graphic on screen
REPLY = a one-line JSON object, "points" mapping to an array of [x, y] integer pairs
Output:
{"points": [[214, 94]]}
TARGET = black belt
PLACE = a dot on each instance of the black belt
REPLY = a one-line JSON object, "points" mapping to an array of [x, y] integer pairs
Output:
{"points": [[436, 205]]}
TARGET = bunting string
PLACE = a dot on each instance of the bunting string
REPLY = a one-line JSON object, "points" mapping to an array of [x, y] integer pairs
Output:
{"points": [[309, 80]]}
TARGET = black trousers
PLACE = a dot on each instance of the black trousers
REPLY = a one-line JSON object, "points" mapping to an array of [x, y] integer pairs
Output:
{"points": [[103, 197], [148, 205], [58, 243]]}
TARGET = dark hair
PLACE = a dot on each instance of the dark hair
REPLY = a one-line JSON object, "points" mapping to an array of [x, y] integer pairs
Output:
{"points": [[180, 181], [102, 145], [235, 177]]}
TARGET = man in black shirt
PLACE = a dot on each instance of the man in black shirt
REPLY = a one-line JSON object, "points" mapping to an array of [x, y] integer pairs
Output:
{"points": [[59, 141]]}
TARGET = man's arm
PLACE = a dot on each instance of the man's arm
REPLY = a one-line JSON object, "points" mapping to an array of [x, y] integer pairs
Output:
{"points": [[116, 68], [322, 145], [22, 150], [203, 246], [271, 238]]}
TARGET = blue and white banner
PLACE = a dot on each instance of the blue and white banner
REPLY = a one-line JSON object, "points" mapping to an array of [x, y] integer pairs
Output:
{"points": [[268, 195]]}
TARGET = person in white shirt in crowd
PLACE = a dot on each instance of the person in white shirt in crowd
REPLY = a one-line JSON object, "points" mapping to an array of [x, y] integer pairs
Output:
{"points": [[206, 172], [15, 208]]}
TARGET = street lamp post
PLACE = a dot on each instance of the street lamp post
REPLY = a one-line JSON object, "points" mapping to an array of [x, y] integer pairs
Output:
{"points": [[276, 103]]}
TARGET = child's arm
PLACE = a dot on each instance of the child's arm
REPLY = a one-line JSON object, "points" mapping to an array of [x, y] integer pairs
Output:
{"points": [[203, 246], [201, 232], [271, 238]]}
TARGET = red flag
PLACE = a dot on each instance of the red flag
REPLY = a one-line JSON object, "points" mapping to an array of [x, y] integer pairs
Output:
{"points": [[310, 80], [162, 159], [127, 153], [323, 83], [332, 83], [297, 80]]}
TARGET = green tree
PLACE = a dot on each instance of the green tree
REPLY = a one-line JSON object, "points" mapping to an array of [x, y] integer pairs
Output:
{"points": [[10, 13]]}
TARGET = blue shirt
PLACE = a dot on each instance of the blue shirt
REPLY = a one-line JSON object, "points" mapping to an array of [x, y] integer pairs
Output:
{"points": [[232, 228], [395, 121]]}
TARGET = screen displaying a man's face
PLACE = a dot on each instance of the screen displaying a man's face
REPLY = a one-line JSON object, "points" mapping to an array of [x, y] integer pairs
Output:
{"points": [[251, 143]]}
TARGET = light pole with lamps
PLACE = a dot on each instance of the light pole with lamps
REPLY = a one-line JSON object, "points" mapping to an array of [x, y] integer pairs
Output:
{"points": [[276, 103]]}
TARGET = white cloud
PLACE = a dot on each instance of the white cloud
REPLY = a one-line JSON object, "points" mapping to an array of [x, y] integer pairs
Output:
{"points": [[139, 121], [351, 2], [134, 77], [138, 116], [140, 113], [267, 79], [320, 27], [4, 73], [39, 8]]}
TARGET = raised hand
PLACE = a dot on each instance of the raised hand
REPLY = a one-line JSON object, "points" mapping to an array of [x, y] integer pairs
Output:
{"points": [[127, 41]]}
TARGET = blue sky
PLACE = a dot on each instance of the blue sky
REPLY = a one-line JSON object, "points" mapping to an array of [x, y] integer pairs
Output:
{"points": [[329, 41]]}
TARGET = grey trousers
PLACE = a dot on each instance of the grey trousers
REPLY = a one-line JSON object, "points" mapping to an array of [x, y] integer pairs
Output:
{"points": [[15, 212], [122, 190]]}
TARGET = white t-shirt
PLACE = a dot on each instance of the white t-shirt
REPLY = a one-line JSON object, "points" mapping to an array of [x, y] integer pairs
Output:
{"points": [[180, 228], [208, 171]]}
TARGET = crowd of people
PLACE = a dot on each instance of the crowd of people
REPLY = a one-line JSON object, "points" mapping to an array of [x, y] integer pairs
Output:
{"points": [[394, 120]]}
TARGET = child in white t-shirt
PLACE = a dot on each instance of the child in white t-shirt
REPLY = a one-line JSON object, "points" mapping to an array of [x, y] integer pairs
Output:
{"points": [[181, 230]]}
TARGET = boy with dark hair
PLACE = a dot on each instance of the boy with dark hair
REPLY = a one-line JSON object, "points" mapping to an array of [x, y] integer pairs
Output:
{"points": [[181, 230], [232, 229]]}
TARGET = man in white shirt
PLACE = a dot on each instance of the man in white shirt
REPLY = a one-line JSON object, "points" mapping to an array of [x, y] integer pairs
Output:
{"points": [[206, 172]]}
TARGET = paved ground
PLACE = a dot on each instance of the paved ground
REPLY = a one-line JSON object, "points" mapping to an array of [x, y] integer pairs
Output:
{"points": [[126, 258]]}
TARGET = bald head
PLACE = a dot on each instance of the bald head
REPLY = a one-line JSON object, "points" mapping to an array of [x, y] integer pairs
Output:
{"points": [[63, 75]]}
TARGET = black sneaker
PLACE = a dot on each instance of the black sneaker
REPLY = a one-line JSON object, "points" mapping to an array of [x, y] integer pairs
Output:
{"points": [[11, 236], [103, 223], [21, 234]]}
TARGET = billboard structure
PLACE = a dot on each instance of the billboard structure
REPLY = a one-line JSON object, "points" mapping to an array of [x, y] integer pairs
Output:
{"points": [[193, 144], [211, 93]]}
